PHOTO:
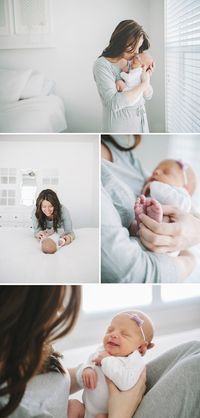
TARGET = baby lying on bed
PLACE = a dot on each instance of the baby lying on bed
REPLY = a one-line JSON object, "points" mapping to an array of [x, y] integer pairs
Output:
{"points": [[127, 338], [171, 183], [51, 242], [131, 77]]}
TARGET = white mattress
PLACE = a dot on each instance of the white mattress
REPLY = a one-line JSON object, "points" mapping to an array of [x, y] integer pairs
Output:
{"points": [[34, 115], [22, 261]]}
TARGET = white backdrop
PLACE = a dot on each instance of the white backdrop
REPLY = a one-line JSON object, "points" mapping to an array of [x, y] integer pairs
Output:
{"points": [[82, 30], [77, 160]]}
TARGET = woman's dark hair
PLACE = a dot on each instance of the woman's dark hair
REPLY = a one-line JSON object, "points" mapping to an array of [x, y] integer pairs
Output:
{"points": [[31, 317], [125, 38], [109, 138], [52, 197]]}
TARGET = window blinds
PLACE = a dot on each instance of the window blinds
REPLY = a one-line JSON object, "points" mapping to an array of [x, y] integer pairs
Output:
{"points": [[182, 34]]}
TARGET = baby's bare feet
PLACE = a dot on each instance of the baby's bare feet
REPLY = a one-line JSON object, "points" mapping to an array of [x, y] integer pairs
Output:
{"points": [[154, 210], [150, 207], [140, 207]]}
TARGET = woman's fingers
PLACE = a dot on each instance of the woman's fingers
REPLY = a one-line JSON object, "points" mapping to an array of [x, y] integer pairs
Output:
{"points": [[170, 229]]}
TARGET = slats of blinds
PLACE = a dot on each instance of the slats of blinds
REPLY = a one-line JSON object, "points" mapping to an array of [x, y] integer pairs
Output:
{"points": [[183, 65]]}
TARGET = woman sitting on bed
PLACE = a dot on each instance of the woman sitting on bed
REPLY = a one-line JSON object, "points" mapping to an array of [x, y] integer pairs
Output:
{"points": [[51, 222]]}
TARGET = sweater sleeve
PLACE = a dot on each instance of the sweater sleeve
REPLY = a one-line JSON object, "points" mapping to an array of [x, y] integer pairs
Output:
{"points": [[66, 221], [106, 85], [124, 372]]}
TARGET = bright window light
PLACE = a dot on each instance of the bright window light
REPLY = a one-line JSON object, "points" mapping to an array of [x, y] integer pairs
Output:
{"points": [[107, 297], [174, 292]]}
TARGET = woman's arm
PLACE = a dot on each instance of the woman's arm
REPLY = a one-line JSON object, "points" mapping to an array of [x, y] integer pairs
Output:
{"points": [[105, 80], [74, 387], [124, 404], [66, 223]]}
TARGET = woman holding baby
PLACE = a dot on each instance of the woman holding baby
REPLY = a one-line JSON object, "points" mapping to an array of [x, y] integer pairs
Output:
{"points": [[123, 105], [34, 382], [51, 222], [147, 256]]}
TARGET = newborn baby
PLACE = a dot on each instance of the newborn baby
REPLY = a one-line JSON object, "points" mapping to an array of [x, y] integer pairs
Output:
{"points": [[131, 78], [171, 183], [51, 242], [127, 338]]}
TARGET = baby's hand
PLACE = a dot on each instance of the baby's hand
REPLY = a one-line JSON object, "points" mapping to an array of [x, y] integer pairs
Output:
{"points": [[120, 85], [40, 235], [100, 357], [89, 377], [61, 242]]}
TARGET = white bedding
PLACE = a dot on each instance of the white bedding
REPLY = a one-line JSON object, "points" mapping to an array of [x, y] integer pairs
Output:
{"points": [[41, 114], [22, 261]]}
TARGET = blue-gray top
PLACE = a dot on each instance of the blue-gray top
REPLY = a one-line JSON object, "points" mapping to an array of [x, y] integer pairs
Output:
{"points": [[64, 226]]}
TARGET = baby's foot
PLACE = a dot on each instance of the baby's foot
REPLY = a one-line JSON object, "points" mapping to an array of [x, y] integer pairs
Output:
{"points": [[154, 210], [140, 207]]}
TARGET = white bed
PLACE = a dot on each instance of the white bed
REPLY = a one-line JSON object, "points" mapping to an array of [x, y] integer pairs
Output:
{"points": [[28, 103], [34, 115], [22, 261]]}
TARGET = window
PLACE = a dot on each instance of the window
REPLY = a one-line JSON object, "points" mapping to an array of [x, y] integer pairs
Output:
{"points": [[115, 298], [25, 24], [182, 18]]}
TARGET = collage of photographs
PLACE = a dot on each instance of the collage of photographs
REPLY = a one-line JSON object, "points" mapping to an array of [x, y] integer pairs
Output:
{"points": [[100, 209]]}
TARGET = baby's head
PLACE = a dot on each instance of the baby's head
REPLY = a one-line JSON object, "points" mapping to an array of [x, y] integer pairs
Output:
{"points": [[48, 246], [139, 60], [174, 173], [128, 332]]}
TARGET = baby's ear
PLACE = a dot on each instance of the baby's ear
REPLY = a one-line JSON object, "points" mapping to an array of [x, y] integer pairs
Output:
{"points": [[150, 345]]}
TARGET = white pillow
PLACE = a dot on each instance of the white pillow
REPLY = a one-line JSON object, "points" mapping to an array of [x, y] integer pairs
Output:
{"points": [[34, 86], [12, 83]]}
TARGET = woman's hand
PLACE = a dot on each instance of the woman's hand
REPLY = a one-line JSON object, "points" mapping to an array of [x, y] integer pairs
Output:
{"points": [[41, 234], [65, 239], [182, 232], [124, 404], [145, 77]]}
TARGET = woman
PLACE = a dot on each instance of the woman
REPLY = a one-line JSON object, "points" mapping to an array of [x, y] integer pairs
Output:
{"points": [[119, 112], [50, 216], [35, 384], [122, 180]]}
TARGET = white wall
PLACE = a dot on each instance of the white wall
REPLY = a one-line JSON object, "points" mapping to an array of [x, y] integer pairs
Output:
{"points": [[82, 31], [77, 159]]}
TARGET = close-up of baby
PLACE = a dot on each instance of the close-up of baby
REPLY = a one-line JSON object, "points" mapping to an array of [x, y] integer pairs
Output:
{"points": [[131, 75], [172, 182], [119, 359]]}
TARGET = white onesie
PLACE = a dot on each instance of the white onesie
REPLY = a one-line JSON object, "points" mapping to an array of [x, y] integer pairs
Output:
{"points": [[123, 371], [170, 195], [133, 79]]}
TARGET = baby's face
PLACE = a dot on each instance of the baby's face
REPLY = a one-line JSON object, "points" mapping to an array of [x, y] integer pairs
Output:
{"points": [[123, 336], [142, 59], [47, 208], [169, 172]]}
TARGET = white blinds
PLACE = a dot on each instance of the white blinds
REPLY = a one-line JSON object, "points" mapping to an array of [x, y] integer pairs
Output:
{"points": [[182, 34]]}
